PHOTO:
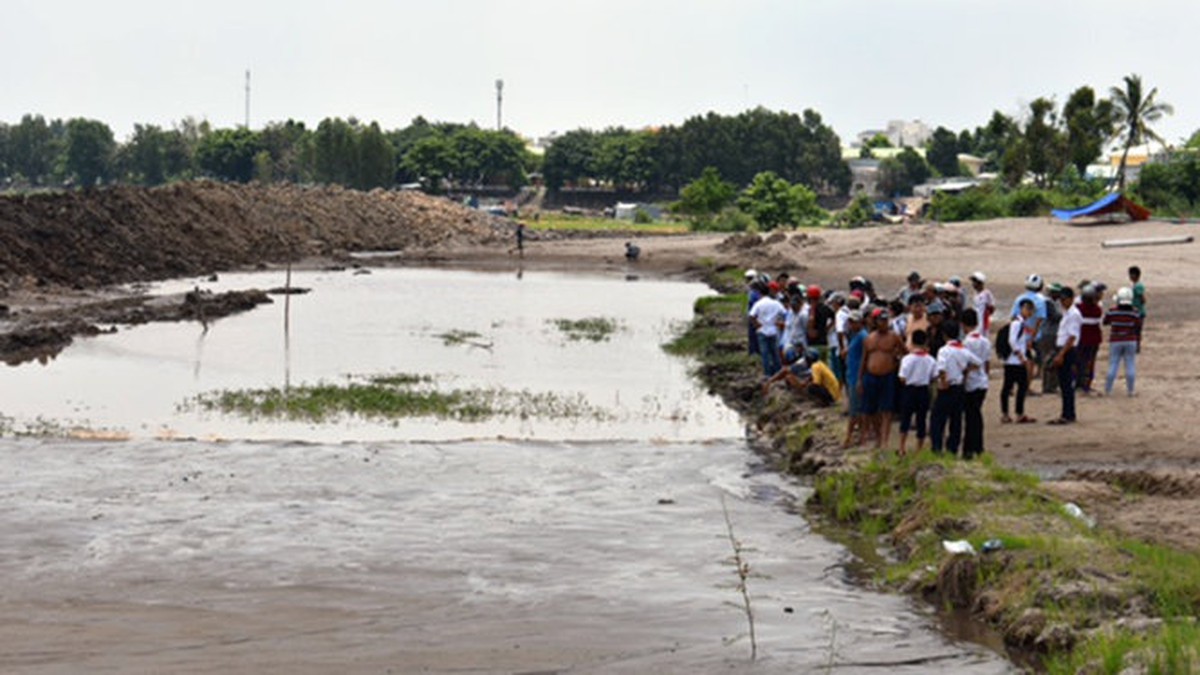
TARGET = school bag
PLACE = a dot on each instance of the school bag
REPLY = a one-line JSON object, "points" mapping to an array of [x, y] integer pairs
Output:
{"points": [[1003, 346]]}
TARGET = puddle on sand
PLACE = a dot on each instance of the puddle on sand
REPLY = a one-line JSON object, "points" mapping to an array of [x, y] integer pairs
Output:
{"points": [[484, 556], [390, 321]]}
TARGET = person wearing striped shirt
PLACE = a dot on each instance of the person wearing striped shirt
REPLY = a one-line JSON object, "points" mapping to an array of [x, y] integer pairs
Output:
{"points": [[1125, 324]]}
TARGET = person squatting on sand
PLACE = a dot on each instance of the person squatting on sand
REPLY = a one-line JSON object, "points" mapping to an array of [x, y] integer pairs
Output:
{"points": [[925, 355]]}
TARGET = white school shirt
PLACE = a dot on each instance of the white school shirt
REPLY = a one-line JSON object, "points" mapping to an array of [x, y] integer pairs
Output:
{"points": [[917, 369], [978, 344], [983, 300], [953, 359], [768, 311], [1070, 326], [1018, 339], [840, 319], [795, 327]]}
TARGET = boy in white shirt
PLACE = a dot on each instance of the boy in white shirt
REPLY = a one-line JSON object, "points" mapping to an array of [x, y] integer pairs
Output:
{"points": [[768, 316], [953, 363], [976, 384], [1066, 343], [984, 302], [1016, 367], [917, 369]]}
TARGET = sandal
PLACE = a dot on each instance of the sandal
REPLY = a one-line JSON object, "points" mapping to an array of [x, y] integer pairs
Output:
{"points": [[1025, 419], [1006, 420], [1060, 421]]}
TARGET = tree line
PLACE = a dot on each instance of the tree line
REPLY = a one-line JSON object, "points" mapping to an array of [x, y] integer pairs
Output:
{"points": [[799, 148], [83, 152]]}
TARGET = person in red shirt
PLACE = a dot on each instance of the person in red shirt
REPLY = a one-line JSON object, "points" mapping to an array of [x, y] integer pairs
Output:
{"points": [[1090, 336]]}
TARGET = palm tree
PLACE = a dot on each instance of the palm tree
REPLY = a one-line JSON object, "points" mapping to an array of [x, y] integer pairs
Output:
{"points": [[1134, 112]]}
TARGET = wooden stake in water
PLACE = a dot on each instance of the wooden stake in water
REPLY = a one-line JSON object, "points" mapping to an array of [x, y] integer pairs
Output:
{"points": [[743, 572]]}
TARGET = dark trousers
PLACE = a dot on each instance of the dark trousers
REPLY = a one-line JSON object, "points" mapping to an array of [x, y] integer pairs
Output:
{"points": [[1018, 376], [1066, 385], [1086, 368], [914, 408], [973, 438], [948, 408]]}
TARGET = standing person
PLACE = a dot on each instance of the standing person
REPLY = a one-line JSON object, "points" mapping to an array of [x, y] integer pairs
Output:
{"points": [[1090, 337], [1033, 324], [917, 369], [820, 320], [984, 302], [976, 385], [1016, 370], [1047, 338], [520, 239], [854, 356], [936, 312], [753, 293], [795, 323], [838, 342], [1139, 300], [881, 356], [768, 317], [1126, 323], [913, 288], [953, 362], [960, 293], [917, 320], [1067, 343]]}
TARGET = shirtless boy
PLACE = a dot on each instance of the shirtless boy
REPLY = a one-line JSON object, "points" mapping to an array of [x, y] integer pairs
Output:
{"points": [[881, 357]]}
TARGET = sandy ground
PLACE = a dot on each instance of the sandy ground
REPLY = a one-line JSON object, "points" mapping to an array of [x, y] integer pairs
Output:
{"points": [[1132, 461]]}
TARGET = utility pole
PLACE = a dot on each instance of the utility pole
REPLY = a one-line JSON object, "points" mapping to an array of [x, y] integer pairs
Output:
{"points": [[247, 99], [499, 105]]}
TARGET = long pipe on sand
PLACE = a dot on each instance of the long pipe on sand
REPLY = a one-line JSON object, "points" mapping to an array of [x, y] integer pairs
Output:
{"points": [[1151, 241]]}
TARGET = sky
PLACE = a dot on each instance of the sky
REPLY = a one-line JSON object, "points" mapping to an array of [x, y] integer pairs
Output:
{"points": [[574, 63]]}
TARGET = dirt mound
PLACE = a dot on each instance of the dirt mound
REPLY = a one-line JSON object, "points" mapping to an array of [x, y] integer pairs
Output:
{"points": [[98, 237], [1175, 484]]}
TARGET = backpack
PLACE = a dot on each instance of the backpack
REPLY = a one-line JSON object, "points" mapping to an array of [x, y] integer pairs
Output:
{"points": [[1003, 346]]}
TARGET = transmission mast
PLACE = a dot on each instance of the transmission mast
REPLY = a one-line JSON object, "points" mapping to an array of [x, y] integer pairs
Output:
{"points": [[247, 99], [499, 105]]}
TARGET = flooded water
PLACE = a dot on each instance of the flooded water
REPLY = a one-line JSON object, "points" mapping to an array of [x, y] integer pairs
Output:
{"points": [[567, 547]]}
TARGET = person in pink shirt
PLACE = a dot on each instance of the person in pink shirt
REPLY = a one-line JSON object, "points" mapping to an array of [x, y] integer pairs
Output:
{"points": [[1090, 336]]}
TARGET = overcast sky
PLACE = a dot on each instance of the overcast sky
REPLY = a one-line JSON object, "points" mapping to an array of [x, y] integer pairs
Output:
{"points": [[573, 63]]}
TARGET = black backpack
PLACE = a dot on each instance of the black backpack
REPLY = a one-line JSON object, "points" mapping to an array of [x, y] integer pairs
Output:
{"points": [[1003, 346]]}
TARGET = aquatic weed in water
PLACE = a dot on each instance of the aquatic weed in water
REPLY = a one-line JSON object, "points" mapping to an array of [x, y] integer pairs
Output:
{"points": [[592, 329]]}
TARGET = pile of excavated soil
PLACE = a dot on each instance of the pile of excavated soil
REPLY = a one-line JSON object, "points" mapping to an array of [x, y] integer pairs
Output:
{"points": [[121, 234]]}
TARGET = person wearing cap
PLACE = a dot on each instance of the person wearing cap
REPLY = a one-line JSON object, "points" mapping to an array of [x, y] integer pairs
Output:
{"points": [[1016, 371], [975, 387], [768, 317], [983, 301], [916, 373], [1066, 344], [877, 384], [857, 336], [1047, 339], [753, 293], [953, 363], [820, 321], [914, 287], [1090, 336], [1033, 324], [1125, 324], [936, 313], [960, 293]]}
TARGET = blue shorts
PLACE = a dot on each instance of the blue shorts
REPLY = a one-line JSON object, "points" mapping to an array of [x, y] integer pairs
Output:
{"points": [[879, 393], [853, 398]]}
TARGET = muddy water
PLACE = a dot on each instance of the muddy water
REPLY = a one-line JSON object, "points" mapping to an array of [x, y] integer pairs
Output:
{"points": [[551, 553]]}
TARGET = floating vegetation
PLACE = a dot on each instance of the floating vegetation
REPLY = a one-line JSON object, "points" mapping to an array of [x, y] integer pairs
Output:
{"points": [[392, 397], [592, 329], [463, 337]]}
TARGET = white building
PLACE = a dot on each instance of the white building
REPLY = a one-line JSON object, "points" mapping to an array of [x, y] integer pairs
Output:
{"points": [[900, 134]]}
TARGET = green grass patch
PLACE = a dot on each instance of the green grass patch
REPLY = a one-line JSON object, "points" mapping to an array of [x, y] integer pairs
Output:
{"points": [[591, 329], [558, 221], [391, 397]]}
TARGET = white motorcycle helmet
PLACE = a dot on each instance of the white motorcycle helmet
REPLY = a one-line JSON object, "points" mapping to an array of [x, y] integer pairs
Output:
{"points": [[1034, 282]]}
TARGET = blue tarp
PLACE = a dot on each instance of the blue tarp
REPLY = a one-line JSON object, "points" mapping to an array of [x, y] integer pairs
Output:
{"points": [[1110, 204]]}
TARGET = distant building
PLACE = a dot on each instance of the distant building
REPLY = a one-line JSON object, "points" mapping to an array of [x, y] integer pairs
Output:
{"points": [[864, 176], [900, 134]]}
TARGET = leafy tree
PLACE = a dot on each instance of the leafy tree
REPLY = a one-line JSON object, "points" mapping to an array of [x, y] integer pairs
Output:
{"points": [[943, 152], [772, 202], [1135, 111], [153, 155], [1045, 145], [228, 154], [898, 175], [706, 195], [570, 158], [335, 153], [289, 147], [1172, 185], [1194, 142], [431, 160], [486, 157], [90, 150], [32, 149], [376, 160], [878, 141], [1089, 124], [624, 158], [5, 160]]}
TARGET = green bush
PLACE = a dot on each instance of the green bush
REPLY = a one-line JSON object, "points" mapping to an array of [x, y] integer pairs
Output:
{"points": [[642, 217], [730, 219], [860, 212]]}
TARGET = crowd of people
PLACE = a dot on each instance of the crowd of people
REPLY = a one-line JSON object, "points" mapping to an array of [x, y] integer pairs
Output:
{"points": [[925, 355]]}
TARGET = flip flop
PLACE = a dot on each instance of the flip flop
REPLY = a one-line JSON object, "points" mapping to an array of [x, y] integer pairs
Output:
{"points": [[1026, 420]]}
